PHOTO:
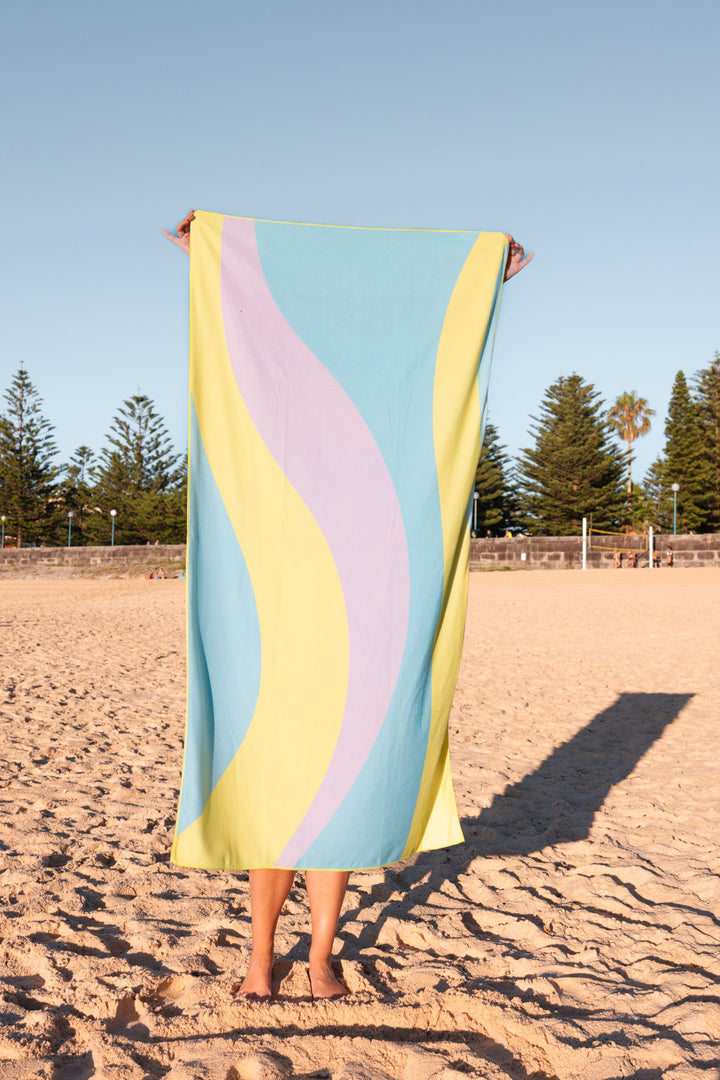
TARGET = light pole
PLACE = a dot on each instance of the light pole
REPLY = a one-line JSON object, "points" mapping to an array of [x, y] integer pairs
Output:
{"points": [[675, 489], [475, 502], [69, 527], [113, 515], [3, 519]]}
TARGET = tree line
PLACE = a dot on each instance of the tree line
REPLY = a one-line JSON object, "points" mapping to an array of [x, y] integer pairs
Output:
{"points": [[575, 468], [138, 474]]}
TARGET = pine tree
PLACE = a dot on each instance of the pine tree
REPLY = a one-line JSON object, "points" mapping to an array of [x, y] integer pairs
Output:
{"points": [[575, 468], [78, 492], [174, 524], [495, 502], [28, 487], [685, 463], [138, 476], [166, 511], [659, 496], [640, 511], [707, 398]]}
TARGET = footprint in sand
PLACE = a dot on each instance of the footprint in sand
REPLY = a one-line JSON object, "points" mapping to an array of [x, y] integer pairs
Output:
{"points": [[260, 1067], [355, 977], [169, 995], [130, 1009], [360, 1070], [55, 860], [406, 935]]}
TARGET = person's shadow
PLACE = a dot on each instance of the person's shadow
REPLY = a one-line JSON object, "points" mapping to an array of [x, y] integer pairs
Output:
{"points": [[555, 804]]}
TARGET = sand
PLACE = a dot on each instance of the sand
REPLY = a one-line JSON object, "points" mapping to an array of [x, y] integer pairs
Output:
{"points": [[575, 935]]}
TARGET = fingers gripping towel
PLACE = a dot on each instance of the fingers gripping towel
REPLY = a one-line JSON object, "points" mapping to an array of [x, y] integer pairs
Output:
{"points": [[338, 379]]}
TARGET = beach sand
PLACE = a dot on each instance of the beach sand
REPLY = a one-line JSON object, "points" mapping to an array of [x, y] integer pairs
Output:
{"points": [[575, 935]]}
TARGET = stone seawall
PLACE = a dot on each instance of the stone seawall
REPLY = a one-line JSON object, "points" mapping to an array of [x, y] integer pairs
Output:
{"points": [[565, 552], [120, 561], [521, 553]]}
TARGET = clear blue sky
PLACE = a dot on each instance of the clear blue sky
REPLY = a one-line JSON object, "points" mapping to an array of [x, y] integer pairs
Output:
{"points": [[589, 131]]}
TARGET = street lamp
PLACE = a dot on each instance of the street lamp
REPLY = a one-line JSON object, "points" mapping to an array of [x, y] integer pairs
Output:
{"points": [[3, 519], [69, 527], [675, 489], [476, 496], [113, 514]]}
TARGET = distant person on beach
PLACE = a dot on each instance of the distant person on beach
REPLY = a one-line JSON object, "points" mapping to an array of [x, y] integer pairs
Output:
{"points": [[270, 885], [617, 560], [632, 559], [669, 556], [656, 559]]}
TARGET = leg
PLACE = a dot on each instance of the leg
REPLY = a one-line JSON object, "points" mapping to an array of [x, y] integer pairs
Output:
{"points": [[326, 891], [268, 892]]}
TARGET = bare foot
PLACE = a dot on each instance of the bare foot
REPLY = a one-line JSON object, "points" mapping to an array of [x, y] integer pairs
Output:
{"points": [[257, 984], [323, 983]]}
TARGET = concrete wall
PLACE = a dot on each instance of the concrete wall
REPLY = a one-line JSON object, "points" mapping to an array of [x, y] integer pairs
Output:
{"points": [[565, 552], [119, 561]]}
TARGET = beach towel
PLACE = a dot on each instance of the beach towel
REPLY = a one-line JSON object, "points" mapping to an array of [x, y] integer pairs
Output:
{"points": [[338, 380]]}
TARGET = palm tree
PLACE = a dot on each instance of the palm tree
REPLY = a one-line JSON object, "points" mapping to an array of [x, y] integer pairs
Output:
{"points": [[630, 416]]}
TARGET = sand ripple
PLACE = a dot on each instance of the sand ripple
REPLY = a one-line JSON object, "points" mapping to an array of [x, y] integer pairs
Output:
{"points": [[576, 935]]}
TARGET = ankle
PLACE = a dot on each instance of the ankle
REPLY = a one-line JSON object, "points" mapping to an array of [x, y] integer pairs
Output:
{"points": [[320, 959], [261, 955]]}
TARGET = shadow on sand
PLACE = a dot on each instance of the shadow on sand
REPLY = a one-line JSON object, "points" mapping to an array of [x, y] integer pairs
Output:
{"points": [[555, 804]]}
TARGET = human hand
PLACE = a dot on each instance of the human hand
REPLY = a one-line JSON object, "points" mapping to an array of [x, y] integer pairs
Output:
{"points": [[517, 258], [182, 240]]}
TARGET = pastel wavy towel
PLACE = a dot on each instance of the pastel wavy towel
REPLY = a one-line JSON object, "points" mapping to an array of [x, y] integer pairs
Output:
{"points": [[338, 379]]}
